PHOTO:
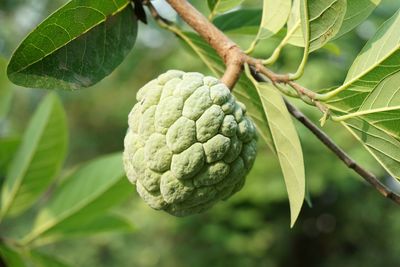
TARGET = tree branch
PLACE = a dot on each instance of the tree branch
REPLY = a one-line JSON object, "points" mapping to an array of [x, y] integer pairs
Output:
{"points": [[229, 51], [341, 154], [234, 59]]}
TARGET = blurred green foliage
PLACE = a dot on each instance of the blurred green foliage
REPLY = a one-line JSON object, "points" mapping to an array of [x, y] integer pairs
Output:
{"points": [[349, 224]]}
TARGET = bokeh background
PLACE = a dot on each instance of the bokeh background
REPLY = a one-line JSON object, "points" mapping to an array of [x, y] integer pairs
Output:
{"points": [[347, 223]]}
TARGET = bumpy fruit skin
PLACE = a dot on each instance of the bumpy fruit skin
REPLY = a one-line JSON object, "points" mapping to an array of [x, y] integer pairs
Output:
{"points": [[189, 143]]}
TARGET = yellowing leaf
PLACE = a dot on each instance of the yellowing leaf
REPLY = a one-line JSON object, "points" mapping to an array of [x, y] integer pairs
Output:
{"points": [[287, 145]]}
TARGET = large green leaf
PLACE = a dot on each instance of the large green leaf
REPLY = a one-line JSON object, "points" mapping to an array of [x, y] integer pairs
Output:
{"points": [[5, 91], [220, 6], [39, 259], [370, 95], [244, 89], [11, 257], [387, 121], [379, 58], [382, 106], [100, 224], [75, 47], [381, 113], [287, 145], [38, 159], [385, 95], [385, 148], [274, 17], [87, 193], [242, 21], [357, 11], [8, 148], [325, 20], [114, 195]]}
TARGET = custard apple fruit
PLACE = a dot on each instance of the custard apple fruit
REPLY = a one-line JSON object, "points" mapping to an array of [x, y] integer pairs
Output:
{"points": [[189, 143]]}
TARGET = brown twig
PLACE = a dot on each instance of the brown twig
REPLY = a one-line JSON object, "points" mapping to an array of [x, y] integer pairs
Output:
{"points": [[229, 51], [302, 92], [328, 142], [234, 59]]}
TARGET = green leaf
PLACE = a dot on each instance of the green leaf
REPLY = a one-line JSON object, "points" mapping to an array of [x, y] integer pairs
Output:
{"points": [[77, 46], [385, 148], [87, 193], [38, 159], [357, 11], [376, 123], [242, 21], [274, 17], [8, 148], [100, 224], [5, 91], [387, 121], [244, 89], [287, 145], [382, 106], [11, 257], [39, 259], [386, 94], [378, 59], [325, 20], [221, 6]]}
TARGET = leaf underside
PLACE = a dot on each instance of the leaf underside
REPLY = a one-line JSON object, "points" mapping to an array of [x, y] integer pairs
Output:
{"points": [[385, 148], [275, 15], [220, 6], [325, 20], [371, 96], [287, 145], [379, 58], [356, 12]]}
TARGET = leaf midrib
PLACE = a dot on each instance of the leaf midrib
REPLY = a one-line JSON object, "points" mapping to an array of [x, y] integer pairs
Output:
{"points": [[368, 70], [72, 39], [22, 173], [45, 227]]}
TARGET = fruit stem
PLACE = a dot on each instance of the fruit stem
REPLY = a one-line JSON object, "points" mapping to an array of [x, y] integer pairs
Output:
{"points": [[228, 50]]}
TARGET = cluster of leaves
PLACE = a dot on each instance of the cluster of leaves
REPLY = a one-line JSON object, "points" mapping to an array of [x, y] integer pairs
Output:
{"points": [[74, 206], [85, 40]]}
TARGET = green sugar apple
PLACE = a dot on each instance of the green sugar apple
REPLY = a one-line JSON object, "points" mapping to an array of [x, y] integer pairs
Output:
{"points": [[189, 143]]}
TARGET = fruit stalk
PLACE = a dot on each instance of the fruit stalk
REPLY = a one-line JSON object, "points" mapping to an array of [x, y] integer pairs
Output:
{"points": [[228, 50]]}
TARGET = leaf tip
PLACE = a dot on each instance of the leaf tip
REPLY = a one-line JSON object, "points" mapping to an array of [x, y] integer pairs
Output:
{"points": [[294, 215]]}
